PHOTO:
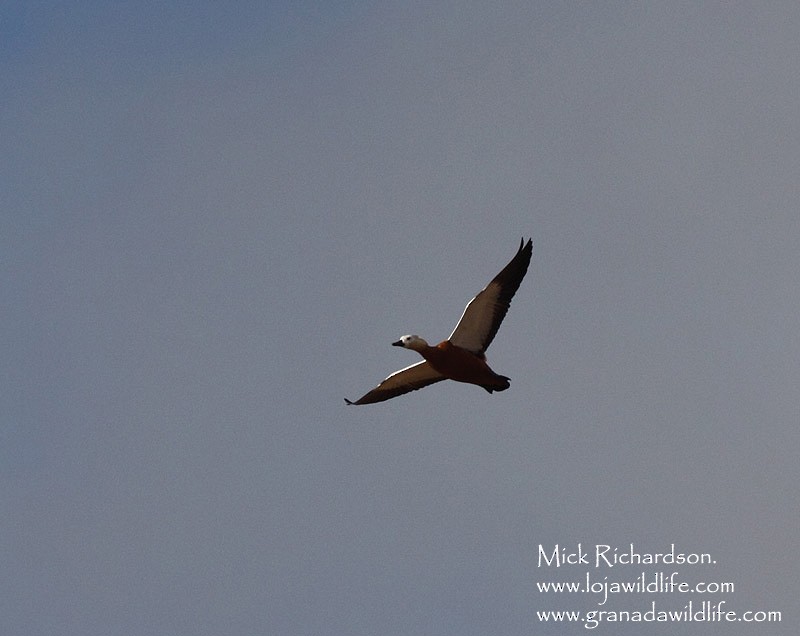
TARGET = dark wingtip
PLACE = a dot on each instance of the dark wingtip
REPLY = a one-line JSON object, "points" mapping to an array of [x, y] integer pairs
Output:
{"points": [[525, 245], [348, 402]]}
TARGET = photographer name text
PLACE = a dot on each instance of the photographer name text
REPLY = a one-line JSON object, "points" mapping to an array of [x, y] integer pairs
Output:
{"points": [[604, 555]]}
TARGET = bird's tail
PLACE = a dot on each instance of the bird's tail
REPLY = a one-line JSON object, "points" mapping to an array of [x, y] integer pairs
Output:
{"points": [[500, 383]]}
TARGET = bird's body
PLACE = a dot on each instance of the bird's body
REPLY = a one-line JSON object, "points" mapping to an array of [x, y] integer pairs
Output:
{"points": [[458, 364], [462, 356]]}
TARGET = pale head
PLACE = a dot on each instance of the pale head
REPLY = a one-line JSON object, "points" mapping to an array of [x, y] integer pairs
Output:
{"points": [[411, 342]]}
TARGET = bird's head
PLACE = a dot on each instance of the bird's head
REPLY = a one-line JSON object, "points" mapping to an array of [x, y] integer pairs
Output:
{"points": [[411, 342]]}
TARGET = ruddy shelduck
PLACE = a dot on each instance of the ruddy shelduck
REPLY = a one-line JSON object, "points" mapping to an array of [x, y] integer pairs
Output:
{"points": [[462, 357]]}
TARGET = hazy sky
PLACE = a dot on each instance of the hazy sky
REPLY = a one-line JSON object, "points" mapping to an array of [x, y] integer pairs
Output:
{"points": [[215, 219]]}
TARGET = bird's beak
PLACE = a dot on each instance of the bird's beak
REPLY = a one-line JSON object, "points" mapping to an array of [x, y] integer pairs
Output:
{"points": [[399, 343]]}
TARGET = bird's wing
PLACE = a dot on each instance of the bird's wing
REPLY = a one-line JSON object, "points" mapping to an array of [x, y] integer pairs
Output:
{"points": [[409, 379], [484, 313]]}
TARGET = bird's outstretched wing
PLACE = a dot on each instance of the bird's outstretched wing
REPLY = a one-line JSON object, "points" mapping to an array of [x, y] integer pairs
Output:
{"points": [[409, 379], [484, 313]]}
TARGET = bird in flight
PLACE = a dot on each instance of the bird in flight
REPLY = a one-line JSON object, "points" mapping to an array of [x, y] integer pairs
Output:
{"points": [[462, 357]]}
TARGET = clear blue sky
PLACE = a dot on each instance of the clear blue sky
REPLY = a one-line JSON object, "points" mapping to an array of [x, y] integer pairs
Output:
{"points": [[216, 219]]}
